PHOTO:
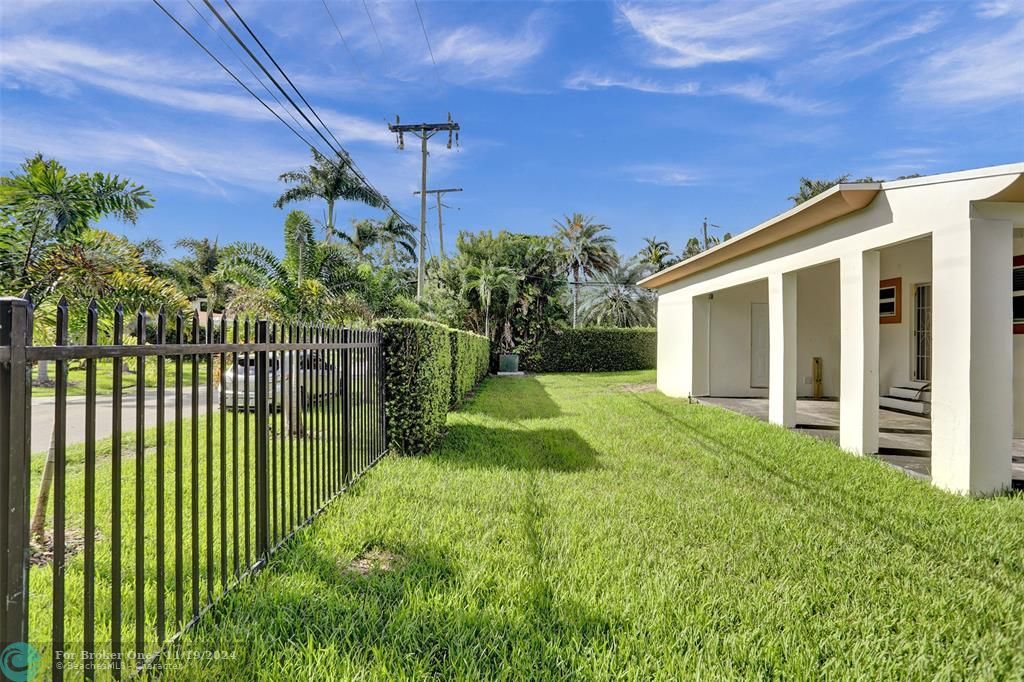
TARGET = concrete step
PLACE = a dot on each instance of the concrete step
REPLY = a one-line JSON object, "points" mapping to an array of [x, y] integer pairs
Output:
{"points": [[904, 405], [910, 393], [914, 383]]}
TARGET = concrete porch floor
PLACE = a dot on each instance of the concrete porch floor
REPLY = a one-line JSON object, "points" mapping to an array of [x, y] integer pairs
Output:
{"points": [[904, 440]]}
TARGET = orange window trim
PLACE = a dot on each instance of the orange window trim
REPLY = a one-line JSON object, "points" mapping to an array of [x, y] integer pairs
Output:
{"points": [[897, 284]]}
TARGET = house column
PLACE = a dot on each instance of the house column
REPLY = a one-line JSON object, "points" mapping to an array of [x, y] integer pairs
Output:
{"points": [[675, 344], [972, 355], [700, 365], [782, 348], [858, 372]]}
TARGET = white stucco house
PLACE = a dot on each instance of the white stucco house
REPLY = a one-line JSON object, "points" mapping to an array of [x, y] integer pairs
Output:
{"points": [[903, 295]]}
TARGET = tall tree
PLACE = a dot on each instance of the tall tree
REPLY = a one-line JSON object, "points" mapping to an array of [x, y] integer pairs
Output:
{"points": [[811, 187], [485, 280], [102, 268], [392, 233], [196, 271], [587, 251], [43, 205], [616, 301], [310, 283], [655, 253], [330, 180]]}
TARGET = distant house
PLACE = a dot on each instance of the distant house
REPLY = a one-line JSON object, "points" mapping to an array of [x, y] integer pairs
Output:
{"points": [[906, 295]]}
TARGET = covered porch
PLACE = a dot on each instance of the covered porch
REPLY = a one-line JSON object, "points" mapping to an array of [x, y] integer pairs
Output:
{"points": [[900, 295], [904, 440]]}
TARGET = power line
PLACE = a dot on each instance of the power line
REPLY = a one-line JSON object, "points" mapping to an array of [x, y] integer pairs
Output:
{"points": [[342, 155], [269, 75], [338, 150], [427, 38], [344, 42], [231, 73], [242, 62], [374, 27]]}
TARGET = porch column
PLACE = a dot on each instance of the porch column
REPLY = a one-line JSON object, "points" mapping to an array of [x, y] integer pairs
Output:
{"points": [[675, 344], [699, 368], [858, 372], [782, 348], [972, 355]]}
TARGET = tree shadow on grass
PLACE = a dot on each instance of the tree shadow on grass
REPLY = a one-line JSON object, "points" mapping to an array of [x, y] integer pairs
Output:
{"points": [[413, 620], [479, 447], [836, 501], [518, 398]]}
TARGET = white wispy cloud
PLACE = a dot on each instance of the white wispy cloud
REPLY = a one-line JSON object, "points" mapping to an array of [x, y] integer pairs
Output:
{"points": [[60, 67], [983, 69], [757, 90], [208, 164], [762, 91], [589, 80], [476, 52], [664, 174], [690, 35]]}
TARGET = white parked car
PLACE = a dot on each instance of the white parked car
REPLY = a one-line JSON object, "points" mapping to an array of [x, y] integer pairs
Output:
{"points": [[312, 370]]}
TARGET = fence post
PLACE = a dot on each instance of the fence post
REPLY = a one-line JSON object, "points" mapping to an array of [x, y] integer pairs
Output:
{"points": [[262, 438], [15, 433], [346, 410]]}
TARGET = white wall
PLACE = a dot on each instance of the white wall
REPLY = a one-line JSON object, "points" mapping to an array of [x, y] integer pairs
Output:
{"points": [[817, 328], [912, 262], [730, 339]]}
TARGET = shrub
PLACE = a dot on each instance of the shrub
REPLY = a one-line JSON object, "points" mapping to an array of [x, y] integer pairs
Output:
{"points": [[428, 368], [593, 349], [470, 361], [417, 382]]}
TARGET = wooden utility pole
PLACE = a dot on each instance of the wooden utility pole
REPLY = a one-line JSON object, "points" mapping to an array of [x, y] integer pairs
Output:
{"points": [[706, 226], [424, 131], [440, 193]]}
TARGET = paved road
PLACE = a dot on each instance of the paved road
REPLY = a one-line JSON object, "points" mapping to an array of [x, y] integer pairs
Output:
{"points": [[43, 412]]}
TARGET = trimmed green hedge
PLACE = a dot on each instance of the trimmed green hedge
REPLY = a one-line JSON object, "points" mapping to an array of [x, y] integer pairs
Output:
{"points": [[471, 356], [593, 349], [425, 365]]}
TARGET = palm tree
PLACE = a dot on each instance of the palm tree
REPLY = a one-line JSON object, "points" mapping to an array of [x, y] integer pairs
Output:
{"points": [[587, 251], [196, 271], [810, 188], [329, 180], [655, 253], [486, 279], [44, 204], [96, 268], [389, 234], [309, 283], [615, 299], [43, 209]]}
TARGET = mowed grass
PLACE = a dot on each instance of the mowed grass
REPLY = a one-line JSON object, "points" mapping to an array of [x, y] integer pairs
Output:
{"points": [[580, 526], [105, 377], [224, 511]]}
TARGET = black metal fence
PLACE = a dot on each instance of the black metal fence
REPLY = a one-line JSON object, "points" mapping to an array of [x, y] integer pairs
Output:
{"points": [[154, 517]]}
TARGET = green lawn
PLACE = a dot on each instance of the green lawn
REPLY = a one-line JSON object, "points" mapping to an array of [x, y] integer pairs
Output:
{"points": [[581, 526], [105, 377]]}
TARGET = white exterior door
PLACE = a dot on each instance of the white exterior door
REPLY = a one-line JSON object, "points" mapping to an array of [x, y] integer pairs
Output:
{"points": [[759, 338]]}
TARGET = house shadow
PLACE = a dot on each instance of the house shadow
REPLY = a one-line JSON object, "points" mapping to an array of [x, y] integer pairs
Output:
{"points": [[473, 446], [520, 398]]}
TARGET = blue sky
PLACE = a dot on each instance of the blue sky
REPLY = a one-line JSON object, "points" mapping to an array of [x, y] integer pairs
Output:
{"points": [[647, 116]]}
